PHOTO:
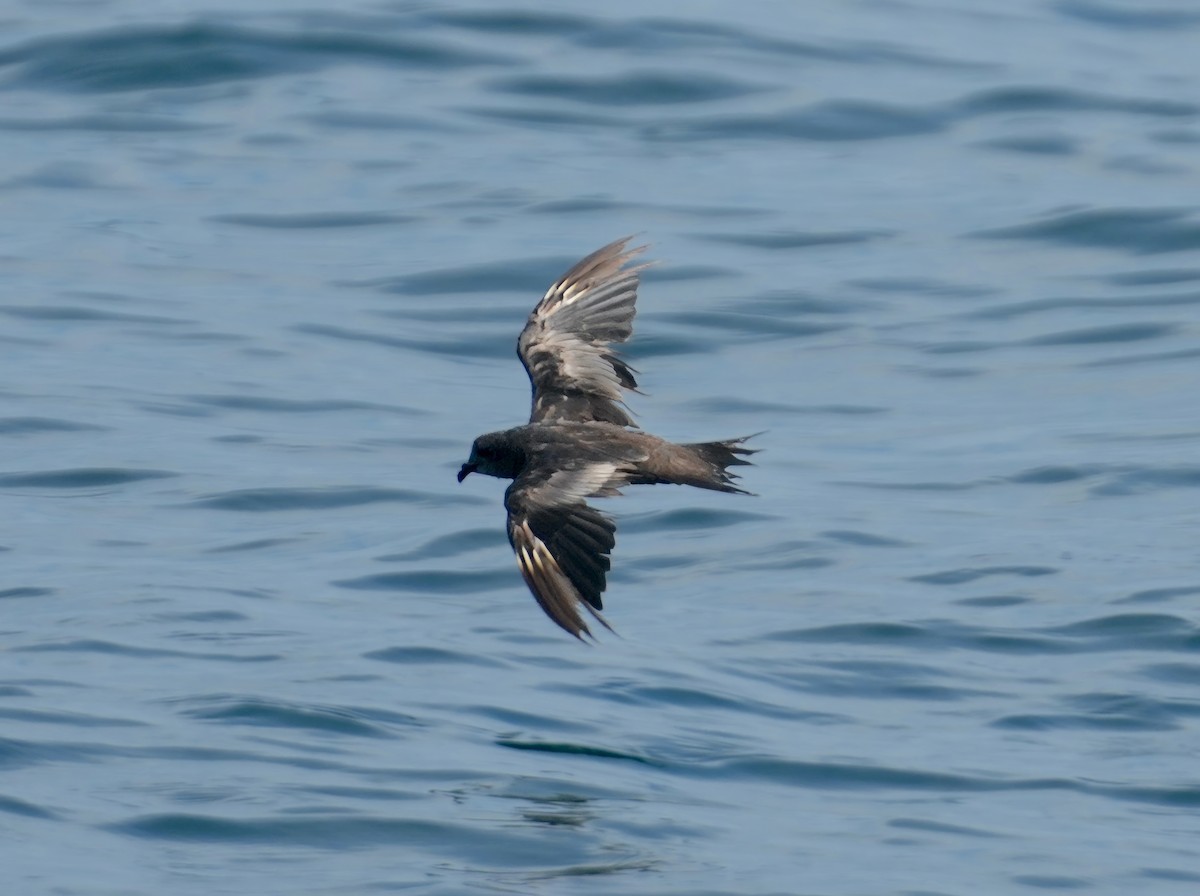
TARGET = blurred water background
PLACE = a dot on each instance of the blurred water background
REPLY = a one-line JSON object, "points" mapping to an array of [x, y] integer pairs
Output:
{"points": [[262, 271]]}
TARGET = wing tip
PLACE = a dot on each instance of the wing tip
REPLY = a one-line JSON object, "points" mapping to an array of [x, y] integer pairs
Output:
{"points": [[551, 588]]}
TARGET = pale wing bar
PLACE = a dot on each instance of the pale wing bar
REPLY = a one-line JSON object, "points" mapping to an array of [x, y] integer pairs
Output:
{"points": [[563, 545], [575, 375]]}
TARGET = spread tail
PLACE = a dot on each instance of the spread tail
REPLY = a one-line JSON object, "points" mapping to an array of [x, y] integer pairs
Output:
{"points": [[716, 458]]}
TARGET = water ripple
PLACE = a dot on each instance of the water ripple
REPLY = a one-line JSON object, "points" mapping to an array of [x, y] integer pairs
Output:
{"points": [[627, 89], [962, 576], [1007, 100], [1158, 595], [88, 477], [314, 220], [14, 806], [688, 519], [146, 57], [111, 648], [275, 713], [526, 276], [276, 255], [1130, 332], [111, 122], [271, 500], [466, 842], [1066, 303], [27, 591], [262, 404], [1141, 231], [434, 581], [1122, 632], [425, 656], [20, 426], [1104, 712], [852, 120], [64, 313], [474, 346], [573, 749], [830, 120], [1141, 481], [1122, 18], [795, 239]]}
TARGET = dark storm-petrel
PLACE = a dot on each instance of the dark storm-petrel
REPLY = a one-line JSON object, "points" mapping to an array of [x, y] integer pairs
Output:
{"points": [[580, 441]]}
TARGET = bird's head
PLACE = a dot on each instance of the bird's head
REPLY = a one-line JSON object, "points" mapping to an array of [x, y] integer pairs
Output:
{"points": [[494, 454]]}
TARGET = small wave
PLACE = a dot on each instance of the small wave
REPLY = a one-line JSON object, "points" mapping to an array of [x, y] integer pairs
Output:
{"points": [[938, 827], [853, 776], [525, 276], [482, 346], [453, 545], [110, 122], [68, 313], [1104, 712], [87, 477], [573, 749], [1137, 230], [111, 648], [688, 519], [864, 539], [68, 719], [273, 500], [490, 845], [1054, 475], [275, 713], [1121, 632], [27, 591], [431, 656], [628, 88], [1066, 303], [21, 426], [1014, 99], [924, 286], [258, 544], [1141, 481], [827, 121], [971, 574], [1157, 595], [514, 718], [264, 404], [994, 600], [314, 220], [795, 239], [14, 806], [1186, 354], [435, 581], [1174, 673], [737, 404], [1037, 145], [1131, 332], [193, 54], [1128, 17], [757, 325], [1154, 277]]}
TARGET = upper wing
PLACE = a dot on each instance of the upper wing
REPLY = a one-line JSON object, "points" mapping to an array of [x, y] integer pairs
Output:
{"points": [[562, 544], [576, 376]]}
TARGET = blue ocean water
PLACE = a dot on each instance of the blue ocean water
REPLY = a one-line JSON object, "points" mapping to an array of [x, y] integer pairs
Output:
{"points": [[263, 268]]}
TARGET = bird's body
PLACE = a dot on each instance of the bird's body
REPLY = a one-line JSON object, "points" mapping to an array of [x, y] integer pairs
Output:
{"points": [[581, 442]]}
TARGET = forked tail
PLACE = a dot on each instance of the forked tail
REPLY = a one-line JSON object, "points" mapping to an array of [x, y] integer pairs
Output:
{"points": [[717, 457]]}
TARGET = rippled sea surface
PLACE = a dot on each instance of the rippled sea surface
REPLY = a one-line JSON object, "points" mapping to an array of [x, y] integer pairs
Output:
{"points": [[262, 272]]}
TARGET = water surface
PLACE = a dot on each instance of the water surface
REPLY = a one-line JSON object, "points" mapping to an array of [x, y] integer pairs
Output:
{"points": [[262, 274]]}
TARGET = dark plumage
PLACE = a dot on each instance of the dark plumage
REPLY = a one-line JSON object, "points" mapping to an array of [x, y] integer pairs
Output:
{"points": [[580, 441]]}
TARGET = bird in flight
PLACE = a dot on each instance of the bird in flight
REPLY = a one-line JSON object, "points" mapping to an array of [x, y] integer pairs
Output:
{"points": [[580, 441]]}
